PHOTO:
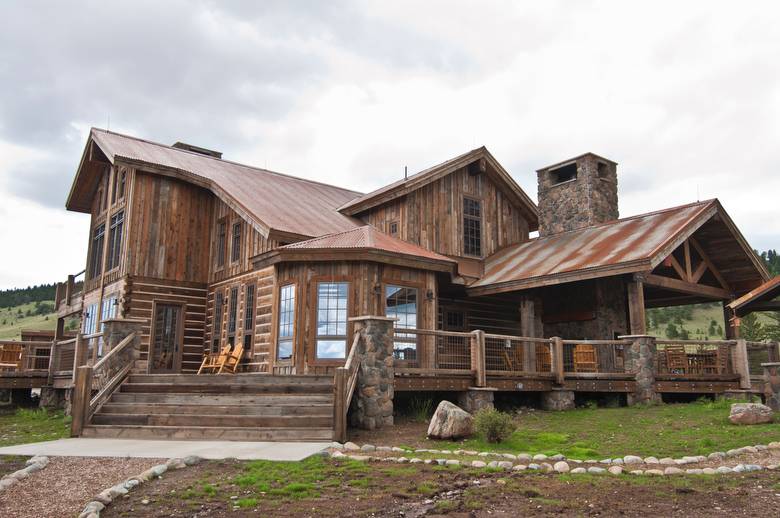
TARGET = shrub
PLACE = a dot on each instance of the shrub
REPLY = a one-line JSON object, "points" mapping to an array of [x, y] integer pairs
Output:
{"points": [[493, 425], [420, 409]]}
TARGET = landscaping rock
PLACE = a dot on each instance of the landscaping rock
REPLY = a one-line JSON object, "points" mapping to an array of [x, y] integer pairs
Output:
{"points": [[192, 460], [561, 467], [453, 462], [605, 461], [596, 470], [534, 466], [509, 456], [396, 449], [359, 458], [450, 422], [478, 464], [632, 459], [618, 461], [520, 467], [724, 469], [505, 464], [637, 472], [540, 457], [615, 470], [175, 463], [415, 461], [750, 413], [368, 447], [673, 471], [654, 472], [351, 446], [709, 471], [651, 460], [578, 471], [557, 457], [716, 456], [546, 467], [524, 457], [667, 461], [775, 445], [694, 471]]}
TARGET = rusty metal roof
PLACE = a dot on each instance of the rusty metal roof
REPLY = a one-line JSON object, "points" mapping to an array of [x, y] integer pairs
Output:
{"points": [[279, 202], [630, 243], [366, 237], [766, 291]]}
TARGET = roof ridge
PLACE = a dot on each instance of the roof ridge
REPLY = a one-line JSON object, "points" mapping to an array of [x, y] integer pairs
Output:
{"points": [[201, 155]]}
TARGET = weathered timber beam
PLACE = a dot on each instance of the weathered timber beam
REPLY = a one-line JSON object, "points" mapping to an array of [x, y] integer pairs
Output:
{"points": [[709, 263], [686, 287]]}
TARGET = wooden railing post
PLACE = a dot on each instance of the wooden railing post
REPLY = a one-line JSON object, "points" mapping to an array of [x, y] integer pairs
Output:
{"points": [[741, 366], [339, 404], [52, 362], [556, 358], [57, 295], [69, 289], [478, 358], [773, 352], [82, 392], [79, 354]]}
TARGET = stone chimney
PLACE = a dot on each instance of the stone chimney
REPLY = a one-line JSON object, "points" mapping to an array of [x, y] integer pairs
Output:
{"points": [[577, 193]]}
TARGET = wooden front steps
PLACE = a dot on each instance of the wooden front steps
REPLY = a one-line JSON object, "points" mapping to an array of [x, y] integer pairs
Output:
{"points": [[247, 407]]}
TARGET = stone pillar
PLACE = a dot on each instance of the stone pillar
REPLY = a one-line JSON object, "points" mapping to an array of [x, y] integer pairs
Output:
{"points": [[772, 385], [558, 399], [476, 398], [373, 399], [117, 329], [640, 360], [52, 398]]}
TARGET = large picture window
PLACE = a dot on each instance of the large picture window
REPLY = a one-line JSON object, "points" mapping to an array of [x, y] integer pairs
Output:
{"points": [[232, 316], [235, 250], [401, 304], [219, 310], [284, 341], [332, 298], [221, 243], [472, 227], [115, 240], [96, 256], [249, 316]]}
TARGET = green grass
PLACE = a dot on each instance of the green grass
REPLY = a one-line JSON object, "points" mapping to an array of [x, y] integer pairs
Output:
{"points": [[594, 433], [25, 425], [700, 320], [13, 326]]}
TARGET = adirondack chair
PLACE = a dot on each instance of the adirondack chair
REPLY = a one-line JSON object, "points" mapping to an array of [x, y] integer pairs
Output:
{"points": [[676, 359], [214, 361], [543, 358], [231, 361], [513, 357], [11, 357], [717, 361], [585, 358]]}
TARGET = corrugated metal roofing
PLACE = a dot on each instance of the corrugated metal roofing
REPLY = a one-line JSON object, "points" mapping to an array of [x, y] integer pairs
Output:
{"points": [[280, 202], [622, 242], [769, 289], [369, 238]]}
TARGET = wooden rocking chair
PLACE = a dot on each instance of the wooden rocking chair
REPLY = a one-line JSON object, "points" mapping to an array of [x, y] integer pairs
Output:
{"points": [[231, 361], [214, 361], [585, 358]]}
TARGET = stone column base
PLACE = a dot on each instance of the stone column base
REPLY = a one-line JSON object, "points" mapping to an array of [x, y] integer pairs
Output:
{"points": [[52, 398], [476, 398], [772, 385], [558, 400]]}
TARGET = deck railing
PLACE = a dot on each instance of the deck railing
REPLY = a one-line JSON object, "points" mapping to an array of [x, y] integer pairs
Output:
{"points": [[345, 382], [505, 354], [430, 349], [696, 357], [20, 356], [594, 356], [69, 291]]}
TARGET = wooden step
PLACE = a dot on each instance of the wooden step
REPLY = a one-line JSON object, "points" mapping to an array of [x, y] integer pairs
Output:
{"points": [[208, 433], [226, 379], [204, 388], [234, 421], [175, 398], [277, 409]]}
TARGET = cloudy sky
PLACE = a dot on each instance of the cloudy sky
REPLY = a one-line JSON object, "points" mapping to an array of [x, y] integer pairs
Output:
{"points": [[685, 96]]}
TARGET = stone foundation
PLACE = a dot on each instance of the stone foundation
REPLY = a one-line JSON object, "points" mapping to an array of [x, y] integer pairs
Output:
{"points": [[475, 399], [556, 400], [772, 385], [373, 401], [640, 358], [51, 398]]}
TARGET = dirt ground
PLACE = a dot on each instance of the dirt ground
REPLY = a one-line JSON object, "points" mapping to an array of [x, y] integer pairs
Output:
{"points": [[423, 490], [11, 463]]}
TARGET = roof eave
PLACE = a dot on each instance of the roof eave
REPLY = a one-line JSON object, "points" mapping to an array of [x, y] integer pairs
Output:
{"points": [[351, 254]]}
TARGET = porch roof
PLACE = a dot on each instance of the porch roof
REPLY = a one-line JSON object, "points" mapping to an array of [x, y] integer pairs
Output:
{"points": [[634, 244], [759, 299]]}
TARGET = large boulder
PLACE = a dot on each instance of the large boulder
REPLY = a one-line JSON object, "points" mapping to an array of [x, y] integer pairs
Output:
{"points": [[450, 422], [750, 413]]}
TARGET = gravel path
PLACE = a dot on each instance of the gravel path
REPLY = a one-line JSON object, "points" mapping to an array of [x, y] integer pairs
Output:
{"points": [[66, 485]]}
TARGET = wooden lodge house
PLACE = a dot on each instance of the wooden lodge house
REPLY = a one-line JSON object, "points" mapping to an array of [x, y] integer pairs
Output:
{"points": [[192, 253]]}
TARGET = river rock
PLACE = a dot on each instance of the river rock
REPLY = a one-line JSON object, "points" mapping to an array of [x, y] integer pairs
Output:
{"points": [[632, 459], [450, 422], [616, 470], [561, 467], [750, 413]]}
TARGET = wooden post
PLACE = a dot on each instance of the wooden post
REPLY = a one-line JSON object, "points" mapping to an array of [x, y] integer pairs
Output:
{"points": [[478, 358], [52, 362], [57, 295], [82, 393], [528, 328], [773, 352], [730, 326], [79, 354], [741, 367], [339, 410], [636, 306], [69, 289], [556, 359]]}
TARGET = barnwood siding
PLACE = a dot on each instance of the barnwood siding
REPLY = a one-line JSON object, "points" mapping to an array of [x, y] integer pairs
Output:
{"points": [[432, 216], [140, 294], [493, 315], [170, 228], [366, 297]]}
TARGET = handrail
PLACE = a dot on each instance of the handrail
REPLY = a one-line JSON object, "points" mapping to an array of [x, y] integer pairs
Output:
{"points": [[344, 384], [696, 342], [109, 372], [93, 335], [115, 351], [66, 342]]}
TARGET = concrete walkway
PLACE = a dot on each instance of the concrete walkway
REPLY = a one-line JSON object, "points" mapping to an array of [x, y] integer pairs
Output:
{"points": [[86, 447]]}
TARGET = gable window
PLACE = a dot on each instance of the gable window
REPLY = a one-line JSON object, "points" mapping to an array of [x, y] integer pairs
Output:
{"points": [[284, 340], [332, 298], [401, 304], [221, 243], [96, 256], [115, 240], [472, 227], [219, 309], [393, 228], [232, 313], [249, 316], [235, 251]]}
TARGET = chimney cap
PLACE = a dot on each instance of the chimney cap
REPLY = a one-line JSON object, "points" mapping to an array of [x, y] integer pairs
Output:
{"points": [[198, 149], [576, 158]]}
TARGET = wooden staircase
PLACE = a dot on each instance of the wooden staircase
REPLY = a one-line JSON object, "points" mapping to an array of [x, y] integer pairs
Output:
{"points": [[243, 407]]}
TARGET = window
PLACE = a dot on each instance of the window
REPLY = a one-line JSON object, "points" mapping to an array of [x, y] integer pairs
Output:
{"points": [[472, 227], [96, 256], [219, 309], [284, 341], [455, 321], [221, 243], [563, 174], [393, 228], [108, 311], [332, 320], [115, 240], [120, 185], [235, 251], [232, 313], [90, 319], [249, 316], [401, 303]]}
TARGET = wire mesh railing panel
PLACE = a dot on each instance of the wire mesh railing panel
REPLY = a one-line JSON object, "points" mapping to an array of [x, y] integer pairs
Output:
{"points": [[698, 357], [453, 352], [594, 356]]}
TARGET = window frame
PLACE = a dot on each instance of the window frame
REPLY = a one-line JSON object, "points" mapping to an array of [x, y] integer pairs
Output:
{"points": [[217, 320], [418, 314], [278, 324], [95, 268], [390, 225], [250, 301], [114, 255], [220, 248], [232, 323], [235, 241], [315, 337], [479, 227]]}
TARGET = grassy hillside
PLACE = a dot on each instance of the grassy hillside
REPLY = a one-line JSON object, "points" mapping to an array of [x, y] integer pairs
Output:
{"points": [[698, 323], [11, 323]]}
